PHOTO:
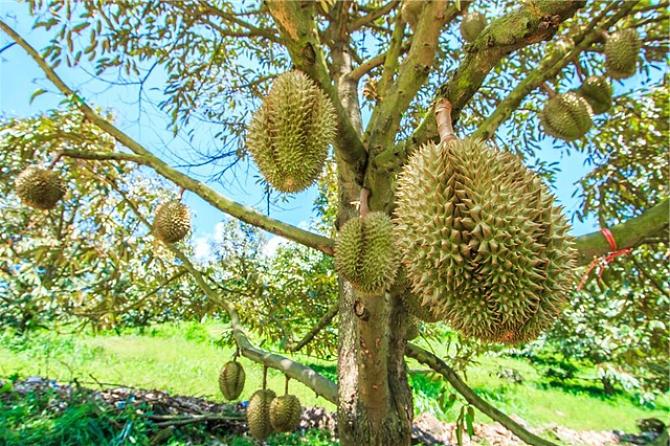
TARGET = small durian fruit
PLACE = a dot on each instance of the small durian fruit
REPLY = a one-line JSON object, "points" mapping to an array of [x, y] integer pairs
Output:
{"points": [[285, 412], [411, 11], [472, 25], [172, 221], [566, 116], [365, 254], [258, 414], [621, 53], [598, 93], [482, 241], [289, 135], [39, 188], [231, 380]]}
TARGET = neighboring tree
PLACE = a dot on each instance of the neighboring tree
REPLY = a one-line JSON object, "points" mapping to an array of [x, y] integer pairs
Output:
{"points": [[219, 58]]}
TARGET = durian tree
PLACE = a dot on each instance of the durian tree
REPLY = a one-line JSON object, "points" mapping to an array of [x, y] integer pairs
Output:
{"points": [[434, 110]]}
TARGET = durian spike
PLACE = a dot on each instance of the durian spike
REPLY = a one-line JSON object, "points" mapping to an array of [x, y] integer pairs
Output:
{"points": [[363, 206], [445, 127]]}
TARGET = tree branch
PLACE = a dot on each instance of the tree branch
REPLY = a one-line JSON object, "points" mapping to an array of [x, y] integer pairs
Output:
{"points": [[299, 31], [374, 15], [323, 322], [104, 156], [367, 66], [318, 383], [237, 210], [441, 367], [651, 226], [525, 26], [548, 69]]}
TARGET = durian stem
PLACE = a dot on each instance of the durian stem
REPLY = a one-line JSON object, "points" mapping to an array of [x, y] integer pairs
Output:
{"points": [[181, 193], [265, 377], [57, 158], [581, 73], [286, 385], [547, 89], [364, 208], [445, 127]]}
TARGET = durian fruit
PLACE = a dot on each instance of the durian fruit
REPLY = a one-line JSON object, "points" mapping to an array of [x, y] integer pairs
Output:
{"points": [[598, 93], [566, 116], [472, 25], [231, 380], [289, 135], [258, 414], [482, 241], [39, 188], [172, 221], [285, 413], [412, 302], [365, 254], [621, 53], [411, 11]]}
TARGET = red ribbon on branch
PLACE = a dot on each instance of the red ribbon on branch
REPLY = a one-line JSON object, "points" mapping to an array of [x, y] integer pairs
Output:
{"points": [[605, 260]]}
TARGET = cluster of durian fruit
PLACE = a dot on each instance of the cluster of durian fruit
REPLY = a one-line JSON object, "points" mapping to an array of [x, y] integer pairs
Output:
{"points": [[43, 189], [266, 413], [568, 116]]}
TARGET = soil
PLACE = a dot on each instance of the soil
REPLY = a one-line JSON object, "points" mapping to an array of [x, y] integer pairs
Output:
{"points": [[167, 411]]}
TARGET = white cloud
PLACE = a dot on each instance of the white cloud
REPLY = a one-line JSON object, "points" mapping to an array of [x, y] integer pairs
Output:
{"points": [[271, 246], [202, 249]]}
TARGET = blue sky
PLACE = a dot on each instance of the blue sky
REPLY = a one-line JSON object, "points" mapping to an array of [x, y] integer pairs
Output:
{"points": [[20, 76]]}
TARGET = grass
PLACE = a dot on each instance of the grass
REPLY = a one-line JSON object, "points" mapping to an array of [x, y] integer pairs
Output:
{"points": [[185, 359]]}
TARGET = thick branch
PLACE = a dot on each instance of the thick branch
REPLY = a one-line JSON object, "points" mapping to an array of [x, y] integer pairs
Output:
{"points": [[367, 66], [441, 367], [530, 24], [548, 69], [323, 323], [299, 31], [217, 200], [318, 383], [412, 74], [651, 226]]}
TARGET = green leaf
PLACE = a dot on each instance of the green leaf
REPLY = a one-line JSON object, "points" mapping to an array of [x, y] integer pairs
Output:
{"points": [[38, 92], [469, 419]]}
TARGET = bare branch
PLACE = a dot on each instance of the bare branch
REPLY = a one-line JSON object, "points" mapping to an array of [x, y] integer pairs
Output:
{"points": [[374, 15], [441, 367], [116, 156], [323, 323], [237, 210]]}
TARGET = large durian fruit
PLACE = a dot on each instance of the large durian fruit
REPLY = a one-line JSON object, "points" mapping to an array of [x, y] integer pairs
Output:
{"points": [[231, 380], [39, 188], [285, 413], [598, 93], [483, 242], [172, 221], [258, 414], [365, 254], [472, 25], [414, 304], [621, 53], [566, 116], [289, 135]]}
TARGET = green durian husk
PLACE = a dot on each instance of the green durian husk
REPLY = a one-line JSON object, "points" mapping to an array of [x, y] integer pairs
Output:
{"points": [[598, 93], [566, 116], [231, 380], [472, 25], [172, 221], [290, 134], [621, 53], [285, 412], [258, 414], [365, 254], [39, 188], [482, 241]]}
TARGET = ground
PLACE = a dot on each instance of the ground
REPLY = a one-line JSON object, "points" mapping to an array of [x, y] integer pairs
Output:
{"points": [[184, 359]]}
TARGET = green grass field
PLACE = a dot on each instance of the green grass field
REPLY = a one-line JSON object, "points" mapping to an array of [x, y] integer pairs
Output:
{"points": [[185, 359]]}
